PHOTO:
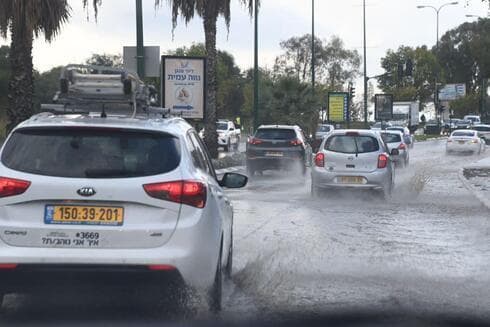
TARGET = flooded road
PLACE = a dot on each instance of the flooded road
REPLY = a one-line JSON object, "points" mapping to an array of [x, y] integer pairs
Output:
{"points": [[426, 250]]}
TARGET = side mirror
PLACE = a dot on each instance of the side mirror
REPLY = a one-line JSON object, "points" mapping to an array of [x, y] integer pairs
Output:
{"points": [[233, 180], [395, 152]]}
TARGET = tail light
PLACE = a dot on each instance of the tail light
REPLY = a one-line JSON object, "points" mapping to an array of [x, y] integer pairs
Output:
{"points": [[296, 142], [192, 193], [254, 141], [10, 186], [320, 159], [161, 267], [402, 146], [382, 161], [8, 266]]}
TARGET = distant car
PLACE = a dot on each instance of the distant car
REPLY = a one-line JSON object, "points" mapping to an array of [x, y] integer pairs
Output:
{"points": [[353, 159], [484, 131], [463, 124], [380, 125], [465, 141], [407, 137], [474, 119], [277, 147], [394, 139], [228, 135], [323, 130], [432, 128]]}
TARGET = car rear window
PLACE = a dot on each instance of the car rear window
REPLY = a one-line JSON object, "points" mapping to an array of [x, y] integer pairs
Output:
{"points": [[324, 129], [470, 134], [275, 134], [351, 144], [91, 153], [222, 126], [399, 129], [391, 138]]}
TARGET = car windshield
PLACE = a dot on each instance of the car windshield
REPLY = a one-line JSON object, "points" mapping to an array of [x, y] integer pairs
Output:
{"points": [[91, 153], [391, 137], [463, 133], [351, 144], [275, 134], [221, 126], [324, 129], [400, 129]]}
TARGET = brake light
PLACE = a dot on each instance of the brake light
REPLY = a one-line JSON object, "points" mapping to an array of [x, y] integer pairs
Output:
{"points": [[8, 266], [382, 161], [192, 193], [402, 146], [254, 141], [296, 142], [320, 159], [161, 267], [11, 186]]}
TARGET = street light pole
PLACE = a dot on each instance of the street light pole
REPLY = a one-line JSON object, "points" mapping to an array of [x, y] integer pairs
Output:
{"points": [[140, 50], [436, 88], [365, 69], [313, 47], [256, 67]]}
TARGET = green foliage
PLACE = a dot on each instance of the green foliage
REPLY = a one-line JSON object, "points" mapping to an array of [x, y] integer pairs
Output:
{"points": [[420, 86], [105, 60], [46, 85], [465, 106]]}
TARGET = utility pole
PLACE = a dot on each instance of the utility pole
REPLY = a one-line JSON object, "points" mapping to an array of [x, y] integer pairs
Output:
{"points": [[140, 50], [313, 47], [365, 69], [256, 67]]}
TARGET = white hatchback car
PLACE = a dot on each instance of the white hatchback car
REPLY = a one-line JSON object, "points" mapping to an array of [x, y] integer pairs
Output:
{"points": [[465, 141], [112, 201]]}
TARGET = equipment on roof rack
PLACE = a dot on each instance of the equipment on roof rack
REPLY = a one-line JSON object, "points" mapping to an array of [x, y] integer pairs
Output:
{"points": [[89, 89]]}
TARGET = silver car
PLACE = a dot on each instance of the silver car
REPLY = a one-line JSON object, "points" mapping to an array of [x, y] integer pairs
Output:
{"points": [[353, 159], [395, 140]]}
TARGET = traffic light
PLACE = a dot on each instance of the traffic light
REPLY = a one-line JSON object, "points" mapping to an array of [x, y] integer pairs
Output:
{"points": [[409, 67], [400, 72], [352, 92]]}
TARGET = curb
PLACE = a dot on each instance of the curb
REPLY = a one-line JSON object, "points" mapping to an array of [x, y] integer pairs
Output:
{"points": [[478, 194]]}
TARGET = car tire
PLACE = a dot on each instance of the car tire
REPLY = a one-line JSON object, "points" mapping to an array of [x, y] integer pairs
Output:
{"points": [[215, 293], [229, 261], [226, 147]]}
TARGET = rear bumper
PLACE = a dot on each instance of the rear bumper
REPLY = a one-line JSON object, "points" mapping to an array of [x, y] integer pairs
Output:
{"points": [[31, 278], [463, 147], [374, 180], [274, 162]]}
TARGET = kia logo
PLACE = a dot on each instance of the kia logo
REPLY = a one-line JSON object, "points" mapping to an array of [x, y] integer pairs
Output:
{"points": [[86, 191]]}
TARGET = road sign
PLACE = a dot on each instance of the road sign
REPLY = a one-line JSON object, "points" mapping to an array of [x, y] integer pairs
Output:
{"points": [[183, 83], [383, 107], [338, 107], [452, 92], [152, 60]]}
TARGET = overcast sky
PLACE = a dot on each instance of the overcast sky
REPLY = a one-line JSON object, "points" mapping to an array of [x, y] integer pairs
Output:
{"points": [[390, 23]]}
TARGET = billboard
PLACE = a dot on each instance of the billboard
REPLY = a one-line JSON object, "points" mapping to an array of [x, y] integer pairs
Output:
{"points": [[383, 107], [338, 106], [183, 85], [452, 92]]}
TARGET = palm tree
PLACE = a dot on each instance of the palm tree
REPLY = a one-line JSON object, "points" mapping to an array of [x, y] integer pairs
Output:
{"points": [[26, 19], [209, 11]]}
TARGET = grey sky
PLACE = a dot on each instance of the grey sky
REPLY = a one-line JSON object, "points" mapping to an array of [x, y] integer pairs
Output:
{"points": [[390, 24]]}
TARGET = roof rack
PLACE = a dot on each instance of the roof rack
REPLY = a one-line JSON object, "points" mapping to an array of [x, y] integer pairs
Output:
{"points": [[89, 89]]}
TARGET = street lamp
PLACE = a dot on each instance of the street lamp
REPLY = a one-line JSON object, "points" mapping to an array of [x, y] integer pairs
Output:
{"points": [[437, 10]]}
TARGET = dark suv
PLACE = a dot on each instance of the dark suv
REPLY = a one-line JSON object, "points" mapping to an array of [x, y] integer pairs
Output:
{"points": [[278, 147]]}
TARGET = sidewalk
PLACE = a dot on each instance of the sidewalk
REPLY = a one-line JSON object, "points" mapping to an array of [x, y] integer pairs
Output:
{"points": [[476, 178]]}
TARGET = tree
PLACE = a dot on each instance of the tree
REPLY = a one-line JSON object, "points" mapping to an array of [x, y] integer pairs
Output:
{"points": [[334, 65], [419, 86], [105, 59], [465, 106], [209, 11], [26, 19]]}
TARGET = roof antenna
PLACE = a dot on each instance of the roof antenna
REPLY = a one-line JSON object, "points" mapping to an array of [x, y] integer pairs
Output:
{"points": [[103, 113]]}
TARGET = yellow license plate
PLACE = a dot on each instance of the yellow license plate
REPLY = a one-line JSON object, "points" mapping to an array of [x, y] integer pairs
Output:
{"points": [[83, 215], [351, 180]]}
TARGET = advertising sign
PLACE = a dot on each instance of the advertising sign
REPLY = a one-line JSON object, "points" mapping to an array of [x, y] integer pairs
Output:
{"points": [[183, 84], [452, 92], [383, 107], [338, 106]]}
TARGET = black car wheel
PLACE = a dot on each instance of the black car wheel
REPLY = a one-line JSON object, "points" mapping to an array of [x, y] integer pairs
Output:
{"points": [[215, 294], [229, 261]]}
